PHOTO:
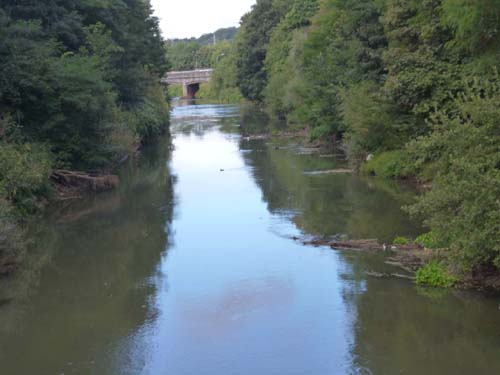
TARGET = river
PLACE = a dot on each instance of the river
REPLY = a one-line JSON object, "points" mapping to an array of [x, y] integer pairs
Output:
{"points": [[189, 268]]}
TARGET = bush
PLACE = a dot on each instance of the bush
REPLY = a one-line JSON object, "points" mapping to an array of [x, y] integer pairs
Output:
{"points": [[427, 240], [434, 274], [175, 91], [463, 209], [152, 115], [401, 241], [370, 122], [24, 175], [390, 164], [124, 138]]}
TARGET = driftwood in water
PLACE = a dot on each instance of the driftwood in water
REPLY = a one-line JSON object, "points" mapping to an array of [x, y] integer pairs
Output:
{"points": [[408, 257], [85, 181], [389, 275], [367, 245], [329, 171]]}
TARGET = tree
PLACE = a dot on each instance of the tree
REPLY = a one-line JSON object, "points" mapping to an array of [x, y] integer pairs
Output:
{"points": [[251, 45], [463, 209]]}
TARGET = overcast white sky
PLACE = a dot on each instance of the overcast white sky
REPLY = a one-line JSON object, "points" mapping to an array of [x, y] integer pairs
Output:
{"points": [[187, 18]]}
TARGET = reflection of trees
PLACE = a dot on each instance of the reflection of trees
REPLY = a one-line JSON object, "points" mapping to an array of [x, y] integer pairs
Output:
{"points": [[99, 282], [199, 119], [328, 204], [399, 331], [253, 120], [395, 329]]}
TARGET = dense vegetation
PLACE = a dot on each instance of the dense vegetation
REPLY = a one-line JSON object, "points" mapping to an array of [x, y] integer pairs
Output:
{"points": [[79, 89], [410, 85], [197, 53]]}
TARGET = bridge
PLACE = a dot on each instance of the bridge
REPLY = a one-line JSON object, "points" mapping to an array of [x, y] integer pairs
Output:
{"points": [[190, 80]]}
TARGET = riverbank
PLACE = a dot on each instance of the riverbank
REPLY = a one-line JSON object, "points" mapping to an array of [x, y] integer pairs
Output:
{"points": [[58, 185], [422, 265]]}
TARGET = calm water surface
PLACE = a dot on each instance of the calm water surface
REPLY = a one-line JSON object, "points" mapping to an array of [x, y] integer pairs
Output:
{"points": [[190, 269]]}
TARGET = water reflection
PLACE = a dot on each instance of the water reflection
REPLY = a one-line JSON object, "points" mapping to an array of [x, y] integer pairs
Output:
{"points": [[196, 274], [328, 204], [94, 285]]}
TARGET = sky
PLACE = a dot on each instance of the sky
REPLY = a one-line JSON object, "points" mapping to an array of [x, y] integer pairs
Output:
{"points": [[188, 18]]}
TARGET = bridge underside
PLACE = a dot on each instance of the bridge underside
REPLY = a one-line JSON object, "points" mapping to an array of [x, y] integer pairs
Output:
{"points": [[189, 90]]}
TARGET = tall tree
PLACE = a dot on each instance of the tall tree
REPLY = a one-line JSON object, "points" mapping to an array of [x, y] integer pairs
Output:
{"points": [[251, 44]]}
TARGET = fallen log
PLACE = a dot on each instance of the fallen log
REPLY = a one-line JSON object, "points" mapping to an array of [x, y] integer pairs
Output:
{"points": [[389, 275], [367, 245], [329, 171], [85, 181]]}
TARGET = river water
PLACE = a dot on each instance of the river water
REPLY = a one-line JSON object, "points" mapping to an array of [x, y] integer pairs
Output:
{"points": [[190, 269]]}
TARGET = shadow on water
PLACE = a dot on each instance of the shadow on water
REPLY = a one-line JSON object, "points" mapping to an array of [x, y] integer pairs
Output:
{"points": [[90, 276], [328, 204]]}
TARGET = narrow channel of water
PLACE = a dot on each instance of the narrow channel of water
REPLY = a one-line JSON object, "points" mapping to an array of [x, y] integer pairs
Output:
{"points": [[189, 269]]}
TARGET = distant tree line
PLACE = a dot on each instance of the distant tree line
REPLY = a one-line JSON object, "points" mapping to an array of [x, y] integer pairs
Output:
{"points": [[411, 85], [196, 53]]}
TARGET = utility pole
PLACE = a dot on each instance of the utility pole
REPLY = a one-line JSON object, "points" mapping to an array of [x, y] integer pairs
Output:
{"points": [[215, 39]]}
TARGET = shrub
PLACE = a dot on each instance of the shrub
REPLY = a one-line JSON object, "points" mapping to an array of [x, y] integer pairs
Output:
{"points": [[152, 115], [124, 138], [401, 241], [175, 91], [390, 164], [370, 122], [463, 209], [24, 174], [434, 274], [428, 240]]}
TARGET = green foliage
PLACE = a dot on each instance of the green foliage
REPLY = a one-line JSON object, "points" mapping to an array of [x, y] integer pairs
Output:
{"points": [[24, 174], [428, 240], [372, 125], [224, 34], [401, 241], [68, 69], [434, 274], [343, 47], [412, 82], [279, 63], [463, 209], [190, 54], [152, 115], [223, 85], [251, 45], [79, 88], [390, 164], [475, 23], [175, 91], [187, 55]]}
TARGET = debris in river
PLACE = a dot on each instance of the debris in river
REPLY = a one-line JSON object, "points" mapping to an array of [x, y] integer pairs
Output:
{"points": [[329, 171], [409, 257], [369, 245], [69, 183], [389, 275]]}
